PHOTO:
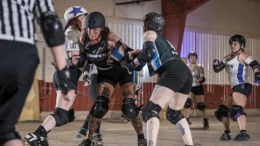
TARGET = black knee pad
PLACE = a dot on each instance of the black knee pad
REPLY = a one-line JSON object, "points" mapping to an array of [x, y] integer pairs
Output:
{"points": [[150, 110], [9, 136], [221, 112], [61, 116], [100, 107], [236, 111], [188, 103], [201, 106], [129, 109], [174, 116], [71, 115]]}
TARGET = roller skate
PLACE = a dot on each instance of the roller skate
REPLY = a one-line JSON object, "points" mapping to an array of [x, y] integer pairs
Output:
{"points": [[82, 133], [97, 140], [225, 137], [242, 136], [85, 142], [142, 142]]}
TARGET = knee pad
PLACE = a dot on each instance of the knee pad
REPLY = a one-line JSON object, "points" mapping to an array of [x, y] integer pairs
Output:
{"points": [[9, 136], [236, 111], [100, 107], [188, 103], [174, 116], [221, 112], [61, 116], [150, 110], [201, 106], [71, 115], [129, 109]]}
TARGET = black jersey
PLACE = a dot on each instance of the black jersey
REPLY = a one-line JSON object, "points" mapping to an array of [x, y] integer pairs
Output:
{"points": [[164, 52], [98, 53]]}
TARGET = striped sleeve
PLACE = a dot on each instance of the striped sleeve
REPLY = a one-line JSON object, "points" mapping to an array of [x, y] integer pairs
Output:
{"points": [[43, 7]]}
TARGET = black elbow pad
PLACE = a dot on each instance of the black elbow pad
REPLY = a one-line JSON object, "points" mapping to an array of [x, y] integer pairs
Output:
{"points": [[254, 64], [147, 52], [52, 30]]}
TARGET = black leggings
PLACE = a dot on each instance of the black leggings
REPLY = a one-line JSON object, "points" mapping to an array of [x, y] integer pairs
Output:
{"points": [[18, 65]]}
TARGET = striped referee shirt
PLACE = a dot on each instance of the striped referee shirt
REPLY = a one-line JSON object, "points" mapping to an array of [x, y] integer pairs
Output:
{"points": [[17, 18]]}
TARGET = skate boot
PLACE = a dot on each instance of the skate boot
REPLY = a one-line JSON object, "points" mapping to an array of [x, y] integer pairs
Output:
{"points": [[188, 120], [225, 137], [82, 132], [242, 136], [142, 142], [206, 124], [97, 140], [85, 142], [33, 139]]}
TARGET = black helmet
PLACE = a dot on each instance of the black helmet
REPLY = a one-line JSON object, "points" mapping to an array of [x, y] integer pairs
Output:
{"points": [[154, 21], [192, 53], [95, 20], [238, 38]]}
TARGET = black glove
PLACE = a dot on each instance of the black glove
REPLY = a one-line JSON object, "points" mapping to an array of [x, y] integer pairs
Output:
{"points": [[218, 65], [131, 66], [64, 81], [202, 80], [86, 78], [257, 77]]}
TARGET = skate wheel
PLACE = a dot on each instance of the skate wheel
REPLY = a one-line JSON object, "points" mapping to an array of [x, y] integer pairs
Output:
{"points": [[97, 143], [78, 136]]}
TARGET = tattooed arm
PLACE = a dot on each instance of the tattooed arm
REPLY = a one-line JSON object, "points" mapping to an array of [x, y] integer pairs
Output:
{"points": [[119, 50]]}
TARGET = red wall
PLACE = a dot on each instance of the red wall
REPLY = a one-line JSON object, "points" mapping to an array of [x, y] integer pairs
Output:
{"points": [[214, 94]]}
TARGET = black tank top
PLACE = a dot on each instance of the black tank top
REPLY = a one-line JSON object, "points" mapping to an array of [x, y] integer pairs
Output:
{"points": [[164, 52], [97, 54]]}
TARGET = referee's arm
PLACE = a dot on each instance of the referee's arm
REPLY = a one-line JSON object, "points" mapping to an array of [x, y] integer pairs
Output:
{"points": [[52, 30]]}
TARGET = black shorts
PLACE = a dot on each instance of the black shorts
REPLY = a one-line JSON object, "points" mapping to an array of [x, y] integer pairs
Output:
{"points": [[18, 65], [244, 88], [197, 90], [75, 74], [114, 75], [176, 76]]}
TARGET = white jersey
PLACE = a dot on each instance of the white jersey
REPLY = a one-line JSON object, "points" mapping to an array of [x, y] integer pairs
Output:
{"points": [[195, 76], [72, 39], [237, 72]]}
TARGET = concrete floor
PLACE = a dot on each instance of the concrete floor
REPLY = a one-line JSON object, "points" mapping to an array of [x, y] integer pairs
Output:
{"points": [[116, 133]]}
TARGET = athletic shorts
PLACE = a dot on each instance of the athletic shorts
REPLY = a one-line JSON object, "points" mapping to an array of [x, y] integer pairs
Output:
{"points": [[175, 75], [114, 75], [197, 90], [244, 88]]}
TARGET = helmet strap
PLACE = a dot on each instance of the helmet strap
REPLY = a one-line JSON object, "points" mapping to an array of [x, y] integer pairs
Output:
{"points": [[236, 51]]}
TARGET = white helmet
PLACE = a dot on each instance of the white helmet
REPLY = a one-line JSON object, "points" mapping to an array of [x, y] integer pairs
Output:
{"points": [[74, 12]]}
